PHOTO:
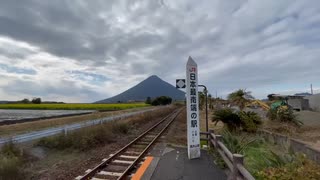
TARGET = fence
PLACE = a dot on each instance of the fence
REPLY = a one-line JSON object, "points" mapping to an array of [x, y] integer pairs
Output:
{"points": [[233, 161]]}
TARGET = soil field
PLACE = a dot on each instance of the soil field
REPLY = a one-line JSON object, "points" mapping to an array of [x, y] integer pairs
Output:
{"points": [[107, 107], [16, 115], [14, 129]]}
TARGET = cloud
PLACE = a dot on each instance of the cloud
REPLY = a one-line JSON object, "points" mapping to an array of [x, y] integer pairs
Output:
{"points": [[99, 48]]}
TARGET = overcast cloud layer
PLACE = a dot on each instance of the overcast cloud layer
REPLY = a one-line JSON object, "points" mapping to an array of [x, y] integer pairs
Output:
{"points": [[83, 51]]}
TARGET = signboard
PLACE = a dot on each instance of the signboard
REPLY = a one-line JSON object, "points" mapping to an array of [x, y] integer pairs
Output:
{"points": [[193, 110], [180, 83]]}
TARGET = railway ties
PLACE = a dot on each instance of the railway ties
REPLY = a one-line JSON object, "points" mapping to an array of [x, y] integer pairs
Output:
{"points": [[123, 163]]}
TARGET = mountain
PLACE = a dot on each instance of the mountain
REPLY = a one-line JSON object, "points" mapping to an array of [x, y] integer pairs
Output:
{"points": [[152, 87], [4, 102]]}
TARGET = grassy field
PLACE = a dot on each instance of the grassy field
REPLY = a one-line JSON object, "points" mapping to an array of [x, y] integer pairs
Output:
{"points": [[73, 106]]}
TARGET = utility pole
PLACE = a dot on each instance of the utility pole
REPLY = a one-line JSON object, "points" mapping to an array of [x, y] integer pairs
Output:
{"points": [[311, 90]]}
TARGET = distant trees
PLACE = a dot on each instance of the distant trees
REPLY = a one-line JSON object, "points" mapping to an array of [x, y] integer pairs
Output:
{"points": [[240, 98], [148, 101], [25, 101], [162, 100], [36, 101], [271, 97]]}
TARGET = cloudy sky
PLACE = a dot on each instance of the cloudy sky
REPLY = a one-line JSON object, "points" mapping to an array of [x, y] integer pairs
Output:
{"points": [[83, 51]]}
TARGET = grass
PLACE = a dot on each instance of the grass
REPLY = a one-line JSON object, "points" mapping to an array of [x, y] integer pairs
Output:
{"points": [[82, 139], [14, 129], [73, 106], [87, 138]]}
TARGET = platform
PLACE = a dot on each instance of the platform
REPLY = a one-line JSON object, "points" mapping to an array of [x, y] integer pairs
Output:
{"points": [[172, 163]]}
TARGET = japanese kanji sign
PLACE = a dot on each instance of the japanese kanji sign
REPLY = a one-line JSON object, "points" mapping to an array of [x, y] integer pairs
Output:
{"points": [[192, 110], [180, 83]]}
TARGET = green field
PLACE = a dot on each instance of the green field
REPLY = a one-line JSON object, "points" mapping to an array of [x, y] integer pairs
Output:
{"points": [[73, 106]]}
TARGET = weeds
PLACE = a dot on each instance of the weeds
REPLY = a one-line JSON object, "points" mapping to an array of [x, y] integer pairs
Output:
{"points": [[10, 162], [298, 167], [235, 144], [91, 137], [83, 139]]}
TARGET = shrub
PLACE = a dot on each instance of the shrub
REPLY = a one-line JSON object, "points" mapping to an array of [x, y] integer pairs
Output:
{"points": [[236, 144], [284, 114], [249, 121], [228, 117]]}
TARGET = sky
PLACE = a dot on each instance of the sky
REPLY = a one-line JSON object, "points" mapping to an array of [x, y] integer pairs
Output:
{"points": [[84, 51]]}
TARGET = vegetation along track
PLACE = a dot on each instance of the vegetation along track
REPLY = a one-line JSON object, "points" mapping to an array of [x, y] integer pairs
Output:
{"points": [[123, 163]]}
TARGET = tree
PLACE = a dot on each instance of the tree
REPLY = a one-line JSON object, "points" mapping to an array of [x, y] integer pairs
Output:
{"points": [[202, 98], [36, 101], [148, 101], [162, 100], [240, 98], [270, 97], [25, 101]]}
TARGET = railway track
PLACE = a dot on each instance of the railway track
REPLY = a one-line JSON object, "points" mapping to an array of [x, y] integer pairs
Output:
{"points": [[123, 163]]}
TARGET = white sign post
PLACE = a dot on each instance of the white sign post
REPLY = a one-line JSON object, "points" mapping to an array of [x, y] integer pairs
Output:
{"points": [[193, 110]]}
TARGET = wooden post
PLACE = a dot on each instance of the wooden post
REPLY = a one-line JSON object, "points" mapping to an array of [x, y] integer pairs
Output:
{"points": [[218, 138], [237, 159], [210, 138]]}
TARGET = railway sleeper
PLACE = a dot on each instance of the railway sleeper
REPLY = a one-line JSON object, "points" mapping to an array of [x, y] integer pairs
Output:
{"points": [[95, 178], [132, 153], [115, 168], [101, 176], [143, 143], [138, 146], [122, 162], [125, 159]]}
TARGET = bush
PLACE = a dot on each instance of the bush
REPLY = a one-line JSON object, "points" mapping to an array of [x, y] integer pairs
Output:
{"points": [[235, 144], [249, 121], [283, 114], [228, 117]]}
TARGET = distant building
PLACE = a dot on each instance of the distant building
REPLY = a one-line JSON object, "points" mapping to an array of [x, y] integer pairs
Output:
{"points": [[314, 102], [296, 102]]}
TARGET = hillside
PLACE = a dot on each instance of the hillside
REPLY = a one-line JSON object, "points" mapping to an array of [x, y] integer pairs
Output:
{"points": [[152, 87]]}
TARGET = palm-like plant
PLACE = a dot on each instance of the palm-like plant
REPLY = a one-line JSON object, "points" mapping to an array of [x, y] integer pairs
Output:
{"points": [[240, 98]]}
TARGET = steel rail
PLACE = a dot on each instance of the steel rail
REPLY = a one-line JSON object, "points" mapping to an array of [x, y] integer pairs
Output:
{"points": [[104, 164], [148, 147]]}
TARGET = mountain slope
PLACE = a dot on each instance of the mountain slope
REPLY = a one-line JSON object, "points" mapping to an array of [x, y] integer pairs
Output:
{"points": [[152, 87]]}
